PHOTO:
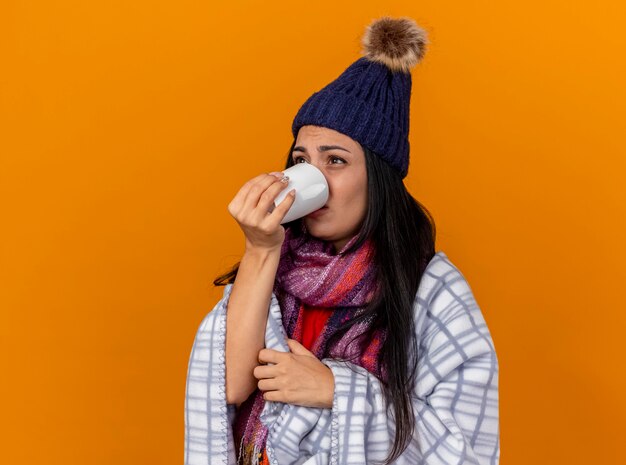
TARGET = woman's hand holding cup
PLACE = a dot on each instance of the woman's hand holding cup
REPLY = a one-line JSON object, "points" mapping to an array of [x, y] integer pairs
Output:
{"points": [[253, 208]]}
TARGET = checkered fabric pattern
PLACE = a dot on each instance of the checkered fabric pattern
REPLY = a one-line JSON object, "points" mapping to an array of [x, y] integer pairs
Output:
{"points": [[455, 398]]}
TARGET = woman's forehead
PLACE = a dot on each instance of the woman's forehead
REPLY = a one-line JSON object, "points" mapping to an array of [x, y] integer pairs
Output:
{"points": [[317, 138]]}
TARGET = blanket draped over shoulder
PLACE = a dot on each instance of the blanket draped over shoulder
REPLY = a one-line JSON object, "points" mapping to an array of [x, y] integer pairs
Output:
{"points": [[455, 399]]}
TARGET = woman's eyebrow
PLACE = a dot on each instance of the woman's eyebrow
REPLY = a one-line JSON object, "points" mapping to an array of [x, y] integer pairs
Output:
{"points": [[321, 148]]}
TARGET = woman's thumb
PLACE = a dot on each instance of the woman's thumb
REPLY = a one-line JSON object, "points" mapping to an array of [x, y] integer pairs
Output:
{"points": [[297, 348]]}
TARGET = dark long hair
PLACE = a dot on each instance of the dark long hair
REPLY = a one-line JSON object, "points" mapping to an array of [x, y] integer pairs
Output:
{"points": [[403, 233]]}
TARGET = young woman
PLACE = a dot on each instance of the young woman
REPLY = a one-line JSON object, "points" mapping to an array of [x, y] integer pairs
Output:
{"points": [[343, 337]]}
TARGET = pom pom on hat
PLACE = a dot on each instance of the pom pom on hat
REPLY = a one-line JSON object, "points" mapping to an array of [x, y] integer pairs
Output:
{"points": [[398, 43]]}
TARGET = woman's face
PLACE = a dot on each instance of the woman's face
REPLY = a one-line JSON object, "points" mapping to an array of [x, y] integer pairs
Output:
{"points": [[342, 161]]}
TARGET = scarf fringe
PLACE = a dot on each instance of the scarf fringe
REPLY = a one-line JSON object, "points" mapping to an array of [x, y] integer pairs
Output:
{"points": [[252, 454]]}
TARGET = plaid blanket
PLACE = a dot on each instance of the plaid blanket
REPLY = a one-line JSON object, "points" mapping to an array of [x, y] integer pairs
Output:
{"points": [[455, 398]]}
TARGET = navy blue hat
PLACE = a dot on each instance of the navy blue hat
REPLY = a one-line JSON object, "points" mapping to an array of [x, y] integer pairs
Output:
{"points": [[369, 101]]}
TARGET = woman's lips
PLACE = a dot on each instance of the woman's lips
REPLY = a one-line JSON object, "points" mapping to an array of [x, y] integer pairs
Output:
{"points": [[316, 213]]}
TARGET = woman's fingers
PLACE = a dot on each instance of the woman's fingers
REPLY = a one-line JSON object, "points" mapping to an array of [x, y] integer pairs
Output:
{"points": [[235, 206], [238, 202], [276, 216], [255, 191], [251, 209], [266, 201], [264, 371], [266, 376], [270, 384]]}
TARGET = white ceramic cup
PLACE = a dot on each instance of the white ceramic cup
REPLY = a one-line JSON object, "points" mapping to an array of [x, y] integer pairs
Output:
{"points": [[311, 191]]}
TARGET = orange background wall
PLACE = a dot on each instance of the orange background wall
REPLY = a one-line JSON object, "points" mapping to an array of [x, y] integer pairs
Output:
{"points": [[127, 127]]}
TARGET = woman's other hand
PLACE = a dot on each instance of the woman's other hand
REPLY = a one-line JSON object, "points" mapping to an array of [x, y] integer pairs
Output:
{"points": [[297, 377], [251, 209]]}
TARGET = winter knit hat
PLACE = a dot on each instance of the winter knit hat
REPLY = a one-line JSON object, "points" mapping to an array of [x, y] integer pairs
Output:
{"points": [[369, 101]]}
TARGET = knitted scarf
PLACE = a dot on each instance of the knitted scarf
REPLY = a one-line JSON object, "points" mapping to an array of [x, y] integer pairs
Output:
{"points": [[309, 273]]}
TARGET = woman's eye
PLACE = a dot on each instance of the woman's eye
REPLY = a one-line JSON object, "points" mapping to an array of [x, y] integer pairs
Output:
{"points": [[297, 159]]}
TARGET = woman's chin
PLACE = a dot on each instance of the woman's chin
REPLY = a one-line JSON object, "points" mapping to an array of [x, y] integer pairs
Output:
{"points": [[318, 228]]}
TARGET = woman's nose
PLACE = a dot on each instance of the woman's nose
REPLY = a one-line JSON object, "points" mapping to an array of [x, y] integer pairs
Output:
{"points": [[319, 166]]}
